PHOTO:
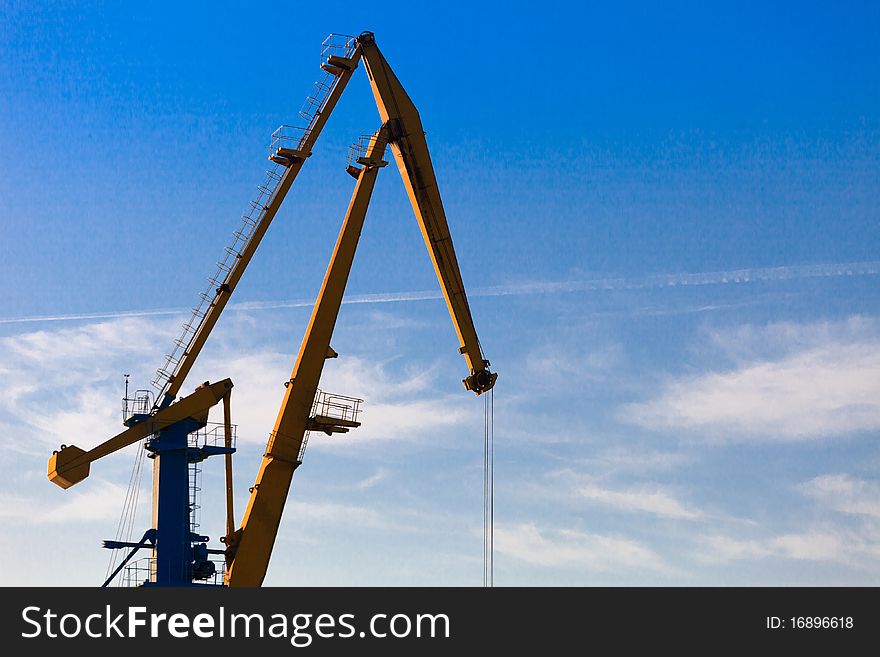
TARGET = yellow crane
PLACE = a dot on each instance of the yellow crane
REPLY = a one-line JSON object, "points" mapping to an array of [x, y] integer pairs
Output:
{"points": [[303, 408], [250, 548]]}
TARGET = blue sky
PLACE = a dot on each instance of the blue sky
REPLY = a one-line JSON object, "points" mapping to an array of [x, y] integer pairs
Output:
{"points": [[665, 212]]}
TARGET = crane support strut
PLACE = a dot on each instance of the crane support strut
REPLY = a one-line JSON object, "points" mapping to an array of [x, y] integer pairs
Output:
{"points": [[251, 552]]}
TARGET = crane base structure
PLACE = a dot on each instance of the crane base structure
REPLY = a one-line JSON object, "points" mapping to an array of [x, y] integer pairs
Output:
{"points": [[173, 430]]}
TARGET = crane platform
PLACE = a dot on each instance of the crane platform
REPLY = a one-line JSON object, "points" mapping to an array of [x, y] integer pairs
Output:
{"points": [[286, 156], [334, 413]]}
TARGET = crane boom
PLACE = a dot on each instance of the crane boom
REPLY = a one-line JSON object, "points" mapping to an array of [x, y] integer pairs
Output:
{"points": [[341, 69], [410, 149], [250, 548]]}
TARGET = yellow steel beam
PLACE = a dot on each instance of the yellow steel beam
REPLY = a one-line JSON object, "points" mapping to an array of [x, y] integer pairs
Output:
{"points": [[227, 435], [407, 141], [254, 541], [223, 294], [70, 465]]}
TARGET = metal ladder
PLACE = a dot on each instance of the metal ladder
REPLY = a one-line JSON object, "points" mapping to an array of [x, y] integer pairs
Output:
{"points": [[292, 137], [195, 497], [232, 253]]}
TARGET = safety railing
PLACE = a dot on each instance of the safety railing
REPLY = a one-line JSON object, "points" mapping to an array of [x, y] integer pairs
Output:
{"points": [[143, 570], [338, 45], [217, 577], [139, 404], [335, 45], [358, 150], [338, 407], [274, 436], [290, 137], [212, 434], [138, 571], [326, 406]]}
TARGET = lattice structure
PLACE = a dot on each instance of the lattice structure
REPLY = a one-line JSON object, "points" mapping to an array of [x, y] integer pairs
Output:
{"points": [[286, 139], [231, 255]]}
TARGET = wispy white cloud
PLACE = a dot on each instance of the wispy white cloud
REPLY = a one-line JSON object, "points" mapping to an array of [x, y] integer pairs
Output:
{"points": [[718, 548], [86, 343], [846, 494], [640, 459], [100, 501], [380, 475], [564, 548], [851, 540], [858, 549], [576, 489], [744, 343], [65, 385], [827, 384], [554, 366], [399, 406], [333, 513], [15, 507], [646, 499], [69, 377], [731, 277]]}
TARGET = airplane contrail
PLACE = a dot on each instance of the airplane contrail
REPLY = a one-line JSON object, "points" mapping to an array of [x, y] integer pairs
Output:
{"points": [[733, 277]]}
